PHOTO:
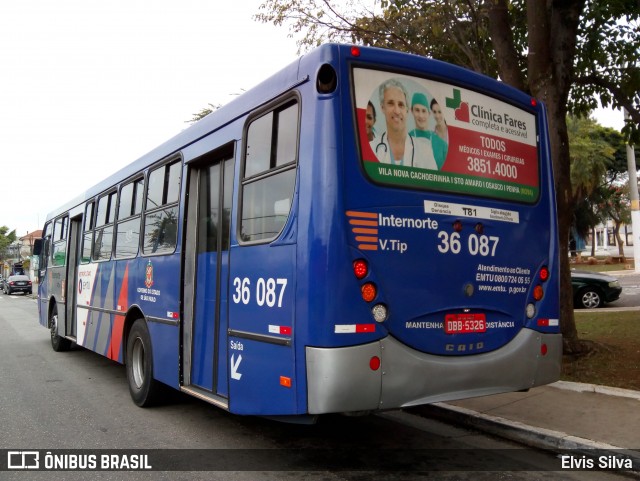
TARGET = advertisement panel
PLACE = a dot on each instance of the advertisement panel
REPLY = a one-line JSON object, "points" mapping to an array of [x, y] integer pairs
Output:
{"points": [[425, 134]]}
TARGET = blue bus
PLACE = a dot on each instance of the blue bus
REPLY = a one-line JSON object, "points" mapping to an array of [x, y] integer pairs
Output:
{"points": [[365, 230]]}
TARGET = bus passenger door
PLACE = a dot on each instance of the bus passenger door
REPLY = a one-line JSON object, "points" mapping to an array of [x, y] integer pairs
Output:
{"points": [[206, 273], [75, 227]]}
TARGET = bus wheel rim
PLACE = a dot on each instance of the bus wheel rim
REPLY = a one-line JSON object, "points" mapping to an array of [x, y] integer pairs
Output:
{"points": [[137, 363], [54, 325]]}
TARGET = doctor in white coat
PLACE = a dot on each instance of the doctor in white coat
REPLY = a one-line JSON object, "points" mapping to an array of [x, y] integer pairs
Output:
{"points": [[395, 145]]}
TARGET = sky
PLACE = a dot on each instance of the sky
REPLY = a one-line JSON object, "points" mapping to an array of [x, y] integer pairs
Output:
{"points": [[89, 86]]}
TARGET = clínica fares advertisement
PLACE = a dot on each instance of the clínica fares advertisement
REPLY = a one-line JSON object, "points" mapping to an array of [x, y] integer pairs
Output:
{"points": [[431, 135]]}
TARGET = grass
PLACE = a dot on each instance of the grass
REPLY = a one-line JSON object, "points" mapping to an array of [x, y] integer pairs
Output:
{"points": [[614, 359], [599, 267], [602, 264]]}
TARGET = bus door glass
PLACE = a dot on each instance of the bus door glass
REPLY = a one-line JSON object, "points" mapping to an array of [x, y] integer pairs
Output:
{"points": [[206, 268], [75, 231]]}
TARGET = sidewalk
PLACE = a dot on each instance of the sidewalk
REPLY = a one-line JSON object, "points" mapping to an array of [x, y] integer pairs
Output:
{"points": [[560, 416]]}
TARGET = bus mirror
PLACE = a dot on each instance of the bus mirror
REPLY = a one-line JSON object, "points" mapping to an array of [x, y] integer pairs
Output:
{"points": [[37, 247]]}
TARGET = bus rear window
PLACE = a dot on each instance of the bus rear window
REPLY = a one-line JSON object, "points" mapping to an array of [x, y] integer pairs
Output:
{"points": [[423, 134]]}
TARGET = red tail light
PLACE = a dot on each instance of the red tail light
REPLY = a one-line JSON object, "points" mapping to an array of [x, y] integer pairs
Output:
{"points": [[544, 274], [360, 268]]}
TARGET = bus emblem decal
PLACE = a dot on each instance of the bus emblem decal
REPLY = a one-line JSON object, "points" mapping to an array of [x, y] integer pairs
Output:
{"points": [[148, 279]]}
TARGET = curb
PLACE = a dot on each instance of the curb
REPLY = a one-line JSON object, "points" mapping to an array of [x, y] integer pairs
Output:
{"points": [[533, 436], [541, 438], [596, 388]]}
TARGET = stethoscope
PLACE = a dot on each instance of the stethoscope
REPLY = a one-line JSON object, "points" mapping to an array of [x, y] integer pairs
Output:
{"points": [[386, 149]]}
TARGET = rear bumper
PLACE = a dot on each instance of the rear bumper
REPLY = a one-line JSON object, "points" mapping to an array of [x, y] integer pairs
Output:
{"points": [[19, 289], [340, 379]]}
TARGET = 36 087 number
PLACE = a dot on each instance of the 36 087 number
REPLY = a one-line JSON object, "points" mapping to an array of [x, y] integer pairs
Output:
{"points": [[268, 292], [481, 245]]}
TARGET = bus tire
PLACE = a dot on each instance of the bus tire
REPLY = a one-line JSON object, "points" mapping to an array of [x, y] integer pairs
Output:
{"points": [[139, 360], [58, 343]]}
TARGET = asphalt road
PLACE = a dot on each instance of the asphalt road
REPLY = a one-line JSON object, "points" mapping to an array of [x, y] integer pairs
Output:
{"points": [[78, 401], [630, 297]]}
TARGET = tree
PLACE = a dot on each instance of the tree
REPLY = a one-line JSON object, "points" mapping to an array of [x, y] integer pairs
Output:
{"points": [[6, 239], [616, 206], [563, 52], [591, 156], [598, 174]]}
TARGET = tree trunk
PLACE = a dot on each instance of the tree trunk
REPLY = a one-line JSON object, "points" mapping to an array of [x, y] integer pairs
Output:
{"points": [[616, 231], [552, 28], [560, 150]]}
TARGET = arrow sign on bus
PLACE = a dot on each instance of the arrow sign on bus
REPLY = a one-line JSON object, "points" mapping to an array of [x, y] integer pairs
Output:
{"points": [[234, 367]]}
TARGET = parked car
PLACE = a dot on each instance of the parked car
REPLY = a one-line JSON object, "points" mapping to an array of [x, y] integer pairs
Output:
{"points": [[594, 289], [17, 283]]}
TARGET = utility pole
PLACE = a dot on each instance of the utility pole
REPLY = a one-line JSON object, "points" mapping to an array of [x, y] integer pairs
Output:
{"points": [[635, 201]]}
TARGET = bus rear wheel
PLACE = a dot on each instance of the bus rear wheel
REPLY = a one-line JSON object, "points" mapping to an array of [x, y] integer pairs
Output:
{"points": [[58, 343], [143, 387]]}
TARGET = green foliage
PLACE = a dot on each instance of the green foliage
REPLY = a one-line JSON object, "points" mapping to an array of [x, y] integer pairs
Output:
{"points": [[606, 64], [6, 239], [203, 113], [598, 169], [591, 155]]}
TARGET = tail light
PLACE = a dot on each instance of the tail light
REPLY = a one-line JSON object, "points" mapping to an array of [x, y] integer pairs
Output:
{"points": [[544, 274], [369, 291], [360, 268], [538, 292]]}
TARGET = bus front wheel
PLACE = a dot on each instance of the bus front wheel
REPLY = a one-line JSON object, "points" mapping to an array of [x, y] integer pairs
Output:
{"points": [[139, 360], [58, 342]]}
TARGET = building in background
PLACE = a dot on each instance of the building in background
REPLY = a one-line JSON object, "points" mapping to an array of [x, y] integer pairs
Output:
{"points": [[20, 255]]}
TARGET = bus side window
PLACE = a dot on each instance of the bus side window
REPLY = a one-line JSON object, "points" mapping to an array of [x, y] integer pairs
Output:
{"points": [[128, 222], [269, 173], [87, 236], [59, 252], [103, 235], [161, 209]]}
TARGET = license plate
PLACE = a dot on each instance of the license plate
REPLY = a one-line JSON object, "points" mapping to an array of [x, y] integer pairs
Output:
{"points": [[465, 323], [21, 283]]}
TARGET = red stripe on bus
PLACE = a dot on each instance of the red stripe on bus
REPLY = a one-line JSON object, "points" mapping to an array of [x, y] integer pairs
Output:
{"points": [[118, 321]]}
